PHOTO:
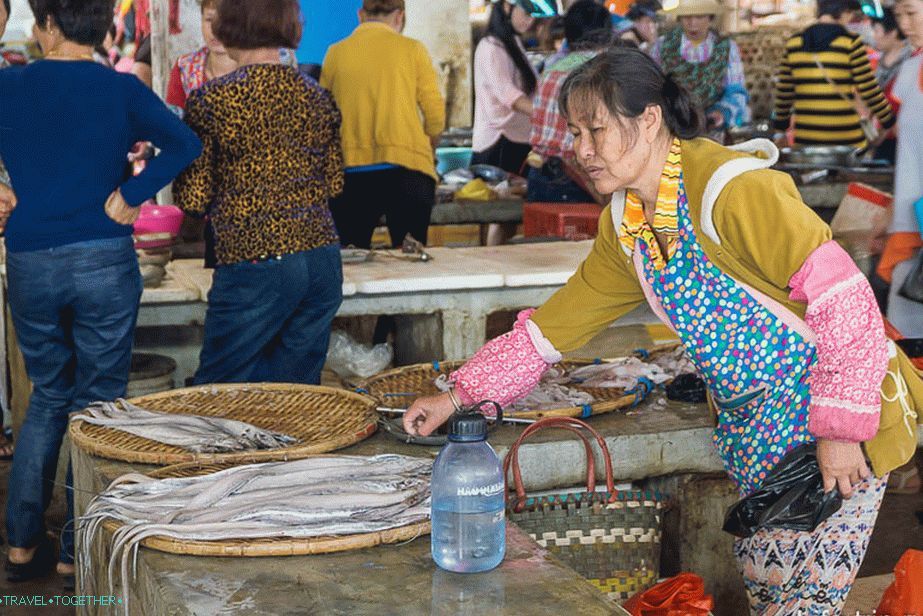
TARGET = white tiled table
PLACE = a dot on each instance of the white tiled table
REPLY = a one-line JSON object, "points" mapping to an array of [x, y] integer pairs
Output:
{"points": [[463, 285]]}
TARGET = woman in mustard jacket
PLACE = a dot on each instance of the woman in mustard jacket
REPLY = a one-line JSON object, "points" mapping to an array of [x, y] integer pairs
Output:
{"points": [[776, 317]]}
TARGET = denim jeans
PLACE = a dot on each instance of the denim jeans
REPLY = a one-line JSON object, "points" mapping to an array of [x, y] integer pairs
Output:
{"points": [[550, 184], [269, 321], [74, 308]]}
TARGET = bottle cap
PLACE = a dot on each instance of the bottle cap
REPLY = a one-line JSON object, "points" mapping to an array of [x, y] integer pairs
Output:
{"points": [[468, 427]]}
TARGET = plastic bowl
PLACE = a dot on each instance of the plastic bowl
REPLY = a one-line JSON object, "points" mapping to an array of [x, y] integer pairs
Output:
{"points": [[449, 159], [157, 226]]}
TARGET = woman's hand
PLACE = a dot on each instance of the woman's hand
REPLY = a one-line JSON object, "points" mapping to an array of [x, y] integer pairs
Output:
{"points": [[427, 414], [118, 209], [7, 204], [842, 465]]}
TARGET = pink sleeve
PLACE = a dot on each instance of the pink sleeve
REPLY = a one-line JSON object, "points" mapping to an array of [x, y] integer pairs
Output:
{"points": [[508, 367], [852, 350], [496, 72]]}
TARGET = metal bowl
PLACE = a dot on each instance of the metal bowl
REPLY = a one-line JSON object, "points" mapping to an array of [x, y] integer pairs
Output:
{"points": [[822, 156], [489, 173]]}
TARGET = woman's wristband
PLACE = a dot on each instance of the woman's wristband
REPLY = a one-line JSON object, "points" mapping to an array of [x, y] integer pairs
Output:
{"points": [[455, 401]]}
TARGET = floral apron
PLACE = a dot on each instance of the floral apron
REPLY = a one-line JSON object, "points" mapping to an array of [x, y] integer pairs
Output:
{"points": [[754, 364]]}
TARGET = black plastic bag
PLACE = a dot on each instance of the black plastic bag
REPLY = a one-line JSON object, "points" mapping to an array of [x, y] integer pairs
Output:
{"points": [[687, 388], [912, 288], [792, 498]]}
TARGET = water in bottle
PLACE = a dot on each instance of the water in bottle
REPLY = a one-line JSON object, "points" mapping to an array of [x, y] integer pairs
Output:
{"points": [[469, 524]]}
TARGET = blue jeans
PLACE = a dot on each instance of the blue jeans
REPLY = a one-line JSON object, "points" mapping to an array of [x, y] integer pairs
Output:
{"points": [[74, 308], [269, 321], [550, 184]]}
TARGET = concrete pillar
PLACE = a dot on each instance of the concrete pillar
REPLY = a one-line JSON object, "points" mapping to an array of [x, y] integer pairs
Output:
{"points": [[444, 26]]}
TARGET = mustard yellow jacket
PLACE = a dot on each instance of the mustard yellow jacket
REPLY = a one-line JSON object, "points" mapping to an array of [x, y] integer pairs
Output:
{"points": [[752, 224], [383, 82]]}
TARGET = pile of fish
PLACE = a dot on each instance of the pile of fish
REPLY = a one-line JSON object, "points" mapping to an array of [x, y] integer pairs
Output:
{"points": [[314, 497], [556, 389], [675, 362], [193, 433]]}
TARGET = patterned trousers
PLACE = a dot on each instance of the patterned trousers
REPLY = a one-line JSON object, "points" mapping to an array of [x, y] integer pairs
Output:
{"points": [[790, 573]]}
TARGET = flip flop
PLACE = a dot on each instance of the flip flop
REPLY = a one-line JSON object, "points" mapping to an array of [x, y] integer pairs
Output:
{"points": [[6, 442], [904, 481]]}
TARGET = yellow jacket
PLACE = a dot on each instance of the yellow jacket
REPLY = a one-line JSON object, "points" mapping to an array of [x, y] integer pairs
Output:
{"points": [[752, 223], [382, 81]]}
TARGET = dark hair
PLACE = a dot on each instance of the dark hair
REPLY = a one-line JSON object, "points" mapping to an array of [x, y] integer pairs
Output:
{"points": [[82, 21], [583, 17], [254, 24], [208, 4], [500, 26], [6, 5], [643, 9], [595, 39], [836, 8], [627, 81], [382, 7], [889, 22]]}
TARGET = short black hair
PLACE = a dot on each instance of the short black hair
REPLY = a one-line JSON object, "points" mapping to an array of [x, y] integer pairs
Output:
{"points": [[583, 17], [82, 21], [836, 8], [6, 5], [889, 22]]}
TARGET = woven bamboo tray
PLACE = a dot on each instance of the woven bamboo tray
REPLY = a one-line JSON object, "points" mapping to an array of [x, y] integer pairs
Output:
{"points": [[323, 419], [280, 546], [398, 388]]}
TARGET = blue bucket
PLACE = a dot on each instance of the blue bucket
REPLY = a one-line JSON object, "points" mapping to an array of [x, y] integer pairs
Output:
{"points": [[449, 159]]}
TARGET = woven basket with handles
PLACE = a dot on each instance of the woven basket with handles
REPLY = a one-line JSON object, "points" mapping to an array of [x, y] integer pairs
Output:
{"points": [[612, 538]]}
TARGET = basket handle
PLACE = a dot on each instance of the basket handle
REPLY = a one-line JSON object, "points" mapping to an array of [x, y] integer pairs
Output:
{"points": [[567, 423], [512, 460]]}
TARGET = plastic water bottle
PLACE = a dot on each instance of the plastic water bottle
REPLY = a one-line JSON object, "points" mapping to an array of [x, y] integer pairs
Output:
{"points": [[468, 509]]}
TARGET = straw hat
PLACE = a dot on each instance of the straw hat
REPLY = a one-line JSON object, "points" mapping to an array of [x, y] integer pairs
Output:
{"points": [[687, 8]]}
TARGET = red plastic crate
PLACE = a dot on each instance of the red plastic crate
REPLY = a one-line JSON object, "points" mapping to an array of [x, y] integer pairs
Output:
{"points": [[571, 221]]}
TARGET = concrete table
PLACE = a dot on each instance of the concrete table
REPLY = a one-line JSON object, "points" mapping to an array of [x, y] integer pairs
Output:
{"points": [[459, 288], [400, 580], [477, 212], [654, 439]]}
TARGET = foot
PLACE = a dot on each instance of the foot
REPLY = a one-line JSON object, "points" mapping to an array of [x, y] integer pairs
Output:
{"points": [[905, 480], [24, 564], [67, 572], [6, 446], [21, 556]]}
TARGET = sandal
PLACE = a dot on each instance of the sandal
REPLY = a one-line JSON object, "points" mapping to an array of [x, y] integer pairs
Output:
{"points": [[904, 480], [41, 564], [6, 444]]}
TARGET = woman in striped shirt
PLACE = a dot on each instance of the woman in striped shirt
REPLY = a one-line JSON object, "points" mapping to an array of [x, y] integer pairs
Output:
{"points": [[816, 81]]}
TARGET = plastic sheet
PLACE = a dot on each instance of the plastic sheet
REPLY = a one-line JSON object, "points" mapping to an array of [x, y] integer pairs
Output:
{"points": [[905, 595], [792, 498], [349, 358], [683, 595]]}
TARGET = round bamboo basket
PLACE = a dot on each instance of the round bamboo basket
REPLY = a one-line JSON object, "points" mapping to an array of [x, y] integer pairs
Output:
{"points": [[278, 546], [323, 419], [398, 388]]}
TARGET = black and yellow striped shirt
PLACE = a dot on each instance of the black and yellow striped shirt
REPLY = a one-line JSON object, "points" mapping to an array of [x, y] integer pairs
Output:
{"points": [[826, 114]]}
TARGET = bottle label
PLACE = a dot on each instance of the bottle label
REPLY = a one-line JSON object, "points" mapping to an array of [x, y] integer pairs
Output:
{"points": [[491, 490]]}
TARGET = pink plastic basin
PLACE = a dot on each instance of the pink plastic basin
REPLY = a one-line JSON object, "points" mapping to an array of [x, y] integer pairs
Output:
{"points": [[157, 226]]}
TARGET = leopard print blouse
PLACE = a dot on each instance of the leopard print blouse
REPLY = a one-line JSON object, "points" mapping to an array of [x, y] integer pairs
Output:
{"points": [[271, 160]]}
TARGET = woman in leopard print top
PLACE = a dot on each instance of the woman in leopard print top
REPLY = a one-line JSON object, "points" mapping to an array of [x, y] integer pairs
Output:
{"points": [[271, 161]]}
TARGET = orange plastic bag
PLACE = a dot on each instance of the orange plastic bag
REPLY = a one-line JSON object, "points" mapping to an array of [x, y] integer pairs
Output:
{"points": [[905, 596], [683, 595]]}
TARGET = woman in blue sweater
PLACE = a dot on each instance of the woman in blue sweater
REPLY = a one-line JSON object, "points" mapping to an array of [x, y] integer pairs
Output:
{"points": [[68, 125]]}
